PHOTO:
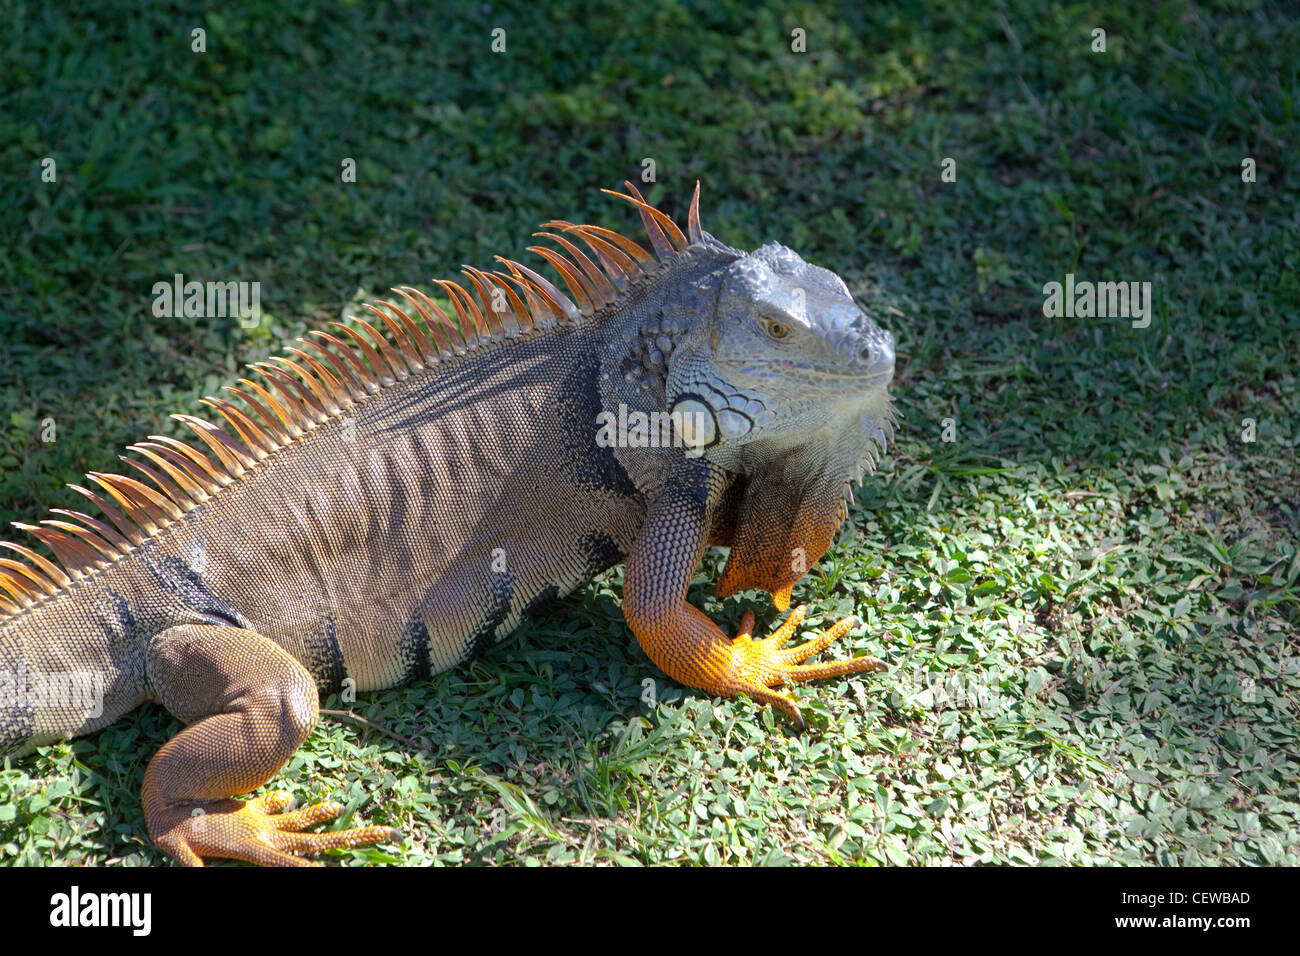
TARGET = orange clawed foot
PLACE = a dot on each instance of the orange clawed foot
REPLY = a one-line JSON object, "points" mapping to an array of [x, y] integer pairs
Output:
{"points": [[762, 664], [258, 831]]}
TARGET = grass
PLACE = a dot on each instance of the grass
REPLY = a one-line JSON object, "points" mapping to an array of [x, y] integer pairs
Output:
{"points": [[1089, 596]]}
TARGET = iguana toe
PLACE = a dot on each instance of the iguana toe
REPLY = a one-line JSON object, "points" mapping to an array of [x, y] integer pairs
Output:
{"points": [[258, 831], [761, 664]]}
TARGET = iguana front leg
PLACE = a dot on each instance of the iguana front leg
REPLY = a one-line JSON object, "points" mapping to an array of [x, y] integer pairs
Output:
{"points": [[249, 705], [680, 638]]}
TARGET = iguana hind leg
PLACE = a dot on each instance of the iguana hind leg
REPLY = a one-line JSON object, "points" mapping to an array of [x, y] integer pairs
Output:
{"points": [[249, 705], [680, 638]]}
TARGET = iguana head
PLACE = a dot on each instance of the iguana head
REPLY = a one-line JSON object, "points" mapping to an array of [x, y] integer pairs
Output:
{"points": [[786, 383], [773, 373], [785, 356]]}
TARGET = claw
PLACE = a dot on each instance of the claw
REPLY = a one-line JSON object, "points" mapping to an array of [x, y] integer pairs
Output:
{"points": [[258, 831], [762, 664]]}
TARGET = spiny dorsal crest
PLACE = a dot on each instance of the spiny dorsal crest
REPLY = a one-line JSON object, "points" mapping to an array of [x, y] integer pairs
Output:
{"points": [[307, 387]]}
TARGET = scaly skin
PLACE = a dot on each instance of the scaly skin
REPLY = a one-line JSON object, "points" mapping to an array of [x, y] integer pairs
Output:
{"points": [[244, 723], [681, 639], [394, 496]]}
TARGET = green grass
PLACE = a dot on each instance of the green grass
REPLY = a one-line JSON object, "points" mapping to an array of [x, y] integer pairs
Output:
{"points": [[1089, 598]]}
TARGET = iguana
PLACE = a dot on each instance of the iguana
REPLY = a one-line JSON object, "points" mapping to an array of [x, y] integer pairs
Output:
{"points": [[391, 498]]}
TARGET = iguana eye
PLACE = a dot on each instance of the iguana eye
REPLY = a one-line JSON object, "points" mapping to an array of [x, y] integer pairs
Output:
{"points": [[776, 328]]}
